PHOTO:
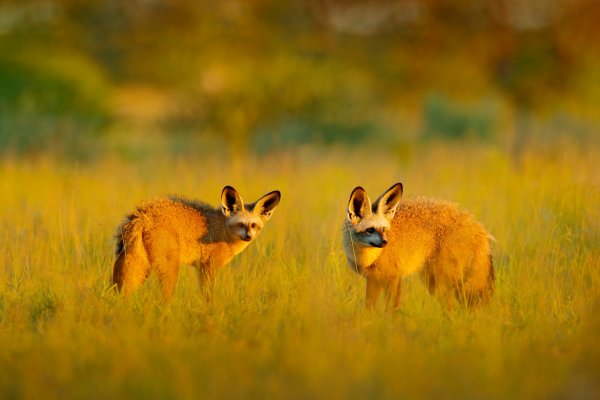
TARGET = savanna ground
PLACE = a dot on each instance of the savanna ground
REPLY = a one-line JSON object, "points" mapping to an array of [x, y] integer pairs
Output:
{"points": [[288, 319]]}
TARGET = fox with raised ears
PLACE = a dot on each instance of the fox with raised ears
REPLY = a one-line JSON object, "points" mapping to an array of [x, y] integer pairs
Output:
{"points": [[165, 233], [390, 239]]}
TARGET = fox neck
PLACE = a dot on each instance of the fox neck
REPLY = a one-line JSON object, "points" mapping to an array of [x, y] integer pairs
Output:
{"points": [[237, 245], [363, 256]]}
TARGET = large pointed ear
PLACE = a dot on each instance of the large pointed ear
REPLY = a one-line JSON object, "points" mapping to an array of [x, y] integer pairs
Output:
{"points": [[359, 205], [264, 206], [231, 201], [388, 202]]}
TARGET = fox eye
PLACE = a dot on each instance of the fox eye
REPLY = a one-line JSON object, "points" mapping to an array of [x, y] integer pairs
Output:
{"points": [[240, 225], [253, 225], [370, 231]]}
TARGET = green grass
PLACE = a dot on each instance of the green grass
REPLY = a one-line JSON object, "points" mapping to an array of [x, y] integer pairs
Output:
{"points": [[288, 319]]}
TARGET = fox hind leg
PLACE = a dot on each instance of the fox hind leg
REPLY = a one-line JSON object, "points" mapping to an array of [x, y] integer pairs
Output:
{"points": [[428, 279], [439, 287], [167, 277], [167, 266], [479, 285]]}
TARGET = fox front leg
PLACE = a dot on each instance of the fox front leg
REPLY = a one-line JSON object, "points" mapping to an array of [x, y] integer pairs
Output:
{"points": [[206, 278], [392, 293], [374, 288]]}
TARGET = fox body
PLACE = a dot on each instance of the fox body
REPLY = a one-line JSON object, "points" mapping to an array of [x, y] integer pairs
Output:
{"points": [[165, 233], [390, 239]]}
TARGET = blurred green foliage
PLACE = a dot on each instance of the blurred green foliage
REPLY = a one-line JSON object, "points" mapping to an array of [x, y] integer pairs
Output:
{"points": [[289, 134], [50, 107], [446, 119], [265, 73]]}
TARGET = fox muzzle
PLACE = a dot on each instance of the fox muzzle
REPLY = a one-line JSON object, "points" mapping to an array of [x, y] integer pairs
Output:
{"points": [[380, 245], [381, 242]]}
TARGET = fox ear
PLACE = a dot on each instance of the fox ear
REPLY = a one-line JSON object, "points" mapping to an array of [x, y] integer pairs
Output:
{"points": [[231, 201], [359, 205], [388, 202], [264, 206]]}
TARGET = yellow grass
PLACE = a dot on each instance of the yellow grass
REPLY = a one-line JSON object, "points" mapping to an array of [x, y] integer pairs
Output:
{"points": [[288, 318]]}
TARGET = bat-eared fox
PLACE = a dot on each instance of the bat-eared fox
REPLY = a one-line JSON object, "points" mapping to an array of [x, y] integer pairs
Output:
{"points": [[389, 239], [165, 233]]}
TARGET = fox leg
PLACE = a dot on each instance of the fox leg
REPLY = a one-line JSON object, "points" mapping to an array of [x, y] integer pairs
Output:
{"points": [[374, 288], [206, 278], [440, 284], [168, 270], [163, 256], [479, 285], [428, 279], [445, 292], [398, 292], [392, 293]]}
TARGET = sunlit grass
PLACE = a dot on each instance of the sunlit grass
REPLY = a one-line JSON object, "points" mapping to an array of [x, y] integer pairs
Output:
{"points": [[288, 317]]}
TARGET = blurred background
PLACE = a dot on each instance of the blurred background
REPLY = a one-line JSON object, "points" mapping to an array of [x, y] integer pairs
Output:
{"points": [[83, 78]]}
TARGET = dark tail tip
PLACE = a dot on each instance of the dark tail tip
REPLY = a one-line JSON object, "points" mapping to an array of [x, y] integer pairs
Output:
{"points": [[119, 248]]}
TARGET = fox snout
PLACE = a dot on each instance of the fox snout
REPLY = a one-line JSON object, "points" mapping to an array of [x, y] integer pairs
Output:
{"points": [[244, 234], [381, 244], [247, 237]]}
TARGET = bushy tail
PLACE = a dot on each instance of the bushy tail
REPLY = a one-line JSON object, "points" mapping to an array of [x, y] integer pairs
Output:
{"points": [[131, 266]]}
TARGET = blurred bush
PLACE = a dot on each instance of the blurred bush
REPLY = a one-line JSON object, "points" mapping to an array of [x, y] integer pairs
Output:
{"points": [[266, 74], [50, 102], [291, 133], [444, 118]]}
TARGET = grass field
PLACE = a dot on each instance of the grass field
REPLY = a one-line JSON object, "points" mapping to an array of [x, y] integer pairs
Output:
{"points": [[288, 319]]}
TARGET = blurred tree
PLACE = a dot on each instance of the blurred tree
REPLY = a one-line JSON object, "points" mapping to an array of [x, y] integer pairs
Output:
{"points": [[237, 68]]}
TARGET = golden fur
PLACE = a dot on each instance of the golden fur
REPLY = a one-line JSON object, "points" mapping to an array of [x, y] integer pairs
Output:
{"points": [[446, 245], [165, 233]]}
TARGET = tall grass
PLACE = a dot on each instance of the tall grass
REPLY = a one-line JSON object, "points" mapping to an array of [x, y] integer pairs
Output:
{"points": [[288, 319]]}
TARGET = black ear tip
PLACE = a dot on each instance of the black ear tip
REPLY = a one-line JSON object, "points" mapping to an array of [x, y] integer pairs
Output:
{"points": [[399, 186], [229, 190], [276, 194], [357, 189]]}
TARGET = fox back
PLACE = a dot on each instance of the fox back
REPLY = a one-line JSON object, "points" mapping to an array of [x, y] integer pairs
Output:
{"points": [[390, 239], [165, 233]]}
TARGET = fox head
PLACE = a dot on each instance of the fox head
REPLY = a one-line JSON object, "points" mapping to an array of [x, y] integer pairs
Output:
{"points": [[244, 221], [368, 223]]}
